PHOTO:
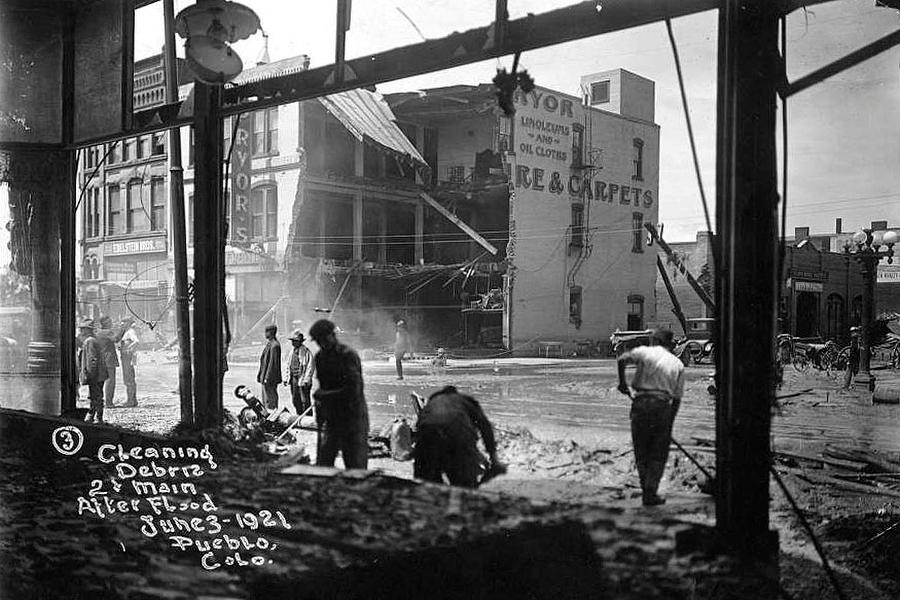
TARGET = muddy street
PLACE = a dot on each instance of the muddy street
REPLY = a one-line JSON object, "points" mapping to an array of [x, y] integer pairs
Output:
{"points": [[558, 399]]}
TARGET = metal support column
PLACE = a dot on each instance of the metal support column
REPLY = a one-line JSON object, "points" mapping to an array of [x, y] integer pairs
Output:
{"points": [[177, 223], [746, 215], [869, 264], [209, 256], [68, 370]]}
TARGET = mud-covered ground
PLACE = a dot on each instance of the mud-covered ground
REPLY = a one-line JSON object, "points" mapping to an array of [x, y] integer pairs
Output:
{"points": [[564, 432]]}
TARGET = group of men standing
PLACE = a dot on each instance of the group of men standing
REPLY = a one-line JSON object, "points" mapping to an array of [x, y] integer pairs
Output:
{"points": [[298, 376], [98, 348]]}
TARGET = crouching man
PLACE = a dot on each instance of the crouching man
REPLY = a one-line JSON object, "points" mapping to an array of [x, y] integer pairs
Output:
{"points": [[658, 385], [447, 440]]}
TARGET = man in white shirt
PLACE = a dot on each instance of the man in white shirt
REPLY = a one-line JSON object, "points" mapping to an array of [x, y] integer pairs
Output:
{"points": [[128, 346], [658, 385]]}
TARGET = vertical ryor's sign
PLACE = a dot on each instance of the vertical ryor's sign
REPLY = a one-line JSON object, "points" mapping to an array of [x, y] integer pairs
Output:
{"points": [[239, 228]]}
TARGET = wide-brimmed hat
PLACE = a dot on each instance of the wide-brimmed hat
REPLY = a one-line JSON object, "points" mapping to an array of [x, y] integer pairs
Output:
{"points": [[297, 336], [85, 322]]}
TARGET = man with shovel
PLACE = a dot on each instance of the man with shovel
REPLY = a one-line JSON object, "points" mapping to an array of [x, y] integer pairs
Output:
{"points": [[658, 385]]}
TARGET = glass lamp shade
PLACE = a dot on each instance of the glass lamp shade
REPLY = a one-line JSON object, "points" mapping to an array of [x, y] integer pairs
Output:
{"points": [[877, 236], [890, 238], [212, 60], [223, 20], [860, 237]]}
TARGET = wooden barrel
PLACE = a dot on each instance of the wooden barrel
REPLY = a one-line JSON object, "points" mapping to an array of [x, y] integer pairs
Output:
{"points": [[886, 394]]}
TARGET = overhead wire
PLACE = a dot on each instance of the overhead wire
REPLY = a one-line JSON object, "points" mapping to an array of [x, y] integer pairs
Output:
{"points": [[94, 174], [687, 119]]}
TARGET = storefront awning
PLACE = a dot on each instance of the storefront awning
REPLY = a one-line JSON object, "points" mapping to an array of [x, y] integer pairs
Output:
{"points": [[368, 118]]}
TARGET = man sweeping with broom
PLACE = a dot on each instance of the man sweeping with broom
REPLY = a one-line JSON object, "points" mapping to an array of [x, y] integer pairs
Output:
{"points": [[658, 385]]}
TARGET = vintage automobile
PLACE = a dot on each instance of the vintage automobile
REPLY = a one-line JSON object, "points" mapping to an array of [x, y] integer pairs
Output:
{"points": [[622, 341], [698, 345]]}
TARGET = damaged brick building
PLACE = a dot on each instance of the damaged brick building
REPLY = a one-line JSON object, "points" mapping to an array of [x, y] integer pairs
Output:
{"points": [[479, 229]]}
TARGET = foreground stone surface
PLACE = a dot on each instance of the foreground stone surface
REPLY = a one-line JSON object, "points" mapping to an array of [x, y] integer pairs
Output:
{"points": [[344, 535]]}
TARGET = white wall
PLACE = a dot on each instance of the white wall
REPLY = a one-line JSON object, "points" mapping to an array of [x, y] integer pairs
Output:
{"points": [[543, 142]]}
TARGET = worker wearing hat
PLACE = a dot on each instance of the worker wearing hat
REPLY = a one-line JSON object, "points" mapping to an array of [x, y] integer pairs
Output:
{"points": [[300, 372], [341, 412], [269, 374], [92, 370], [852, 358]]}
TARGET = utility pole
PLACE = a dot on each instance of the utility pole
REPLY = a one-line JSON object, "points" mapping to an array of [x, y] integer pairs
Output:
{"points": [[179, 241], [209, 255], [746, 214]]}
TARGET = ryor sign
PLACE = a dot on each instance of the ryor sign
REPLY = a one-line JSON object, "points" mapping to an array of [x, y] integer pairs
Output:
{"points": [[239, 227]]}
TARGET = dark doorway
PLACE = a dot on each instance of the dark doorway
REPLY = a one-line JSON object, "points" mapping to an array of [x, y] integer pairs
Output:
{"points": [[807, 314], [835, 317]]}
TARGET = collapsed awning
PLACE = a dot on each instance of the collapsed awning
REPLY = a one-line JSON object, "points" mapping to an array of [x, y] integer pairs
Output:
{"points": [[368, 118], [364, 114]]}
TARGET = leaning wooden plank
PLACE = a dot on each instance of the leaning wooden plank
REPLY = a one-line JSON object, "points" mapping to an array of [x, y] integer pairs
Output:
{"points": [[459, 223], [843, 464], [882, 464], [834, 482]]}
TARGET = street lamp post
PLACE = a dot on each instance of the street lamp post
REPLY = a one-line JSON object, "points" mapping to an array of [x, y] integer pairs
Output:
{"points": [[868, 248]]}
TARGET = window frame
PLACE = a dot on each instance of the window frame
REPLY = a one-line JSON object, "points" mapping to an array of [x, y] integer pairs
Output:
{"points": [[264, 132], [577, 145], [600, 98], [576, 305], [577, 229], [637, 226], [158, 144], [135, 209], [638, 160], [158, 204], [268, 215], [118, 213], [635, 300]]}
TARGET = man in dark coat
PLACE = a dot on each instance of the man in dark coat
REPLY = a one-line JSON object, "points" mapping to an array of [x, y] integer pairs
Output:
{"points": [[92, 370], [341, 411], [269, 374], [107, 338], [447, 440], [852, 358]]}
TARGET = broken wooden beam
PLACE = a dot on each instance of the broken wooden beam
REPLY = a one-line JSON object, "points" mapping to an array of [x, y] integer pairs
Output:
{"points": [[459, 223]]}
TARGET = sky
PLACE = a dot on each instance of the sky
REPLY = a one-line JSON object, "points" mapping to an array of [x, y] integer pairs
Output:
{"points": [[843, 135]]}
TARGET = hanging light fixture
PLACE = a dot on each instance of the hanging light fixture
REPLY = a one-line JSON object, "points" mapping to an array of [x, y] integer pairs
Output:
{"points": [[209, 27]]}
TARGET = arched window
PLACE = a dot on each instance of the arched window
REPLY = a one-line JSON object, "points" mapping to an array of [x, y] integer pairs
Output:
{"points": [[834, 314], [635, 312], [856, 311], [264, 212], [638, 159], [575, 300]]}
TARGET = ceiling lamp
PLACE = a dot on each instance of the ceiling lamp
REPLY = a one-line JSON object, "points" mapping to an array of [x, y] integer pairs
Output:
{"points": [[212, 60], [209, 27]]}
